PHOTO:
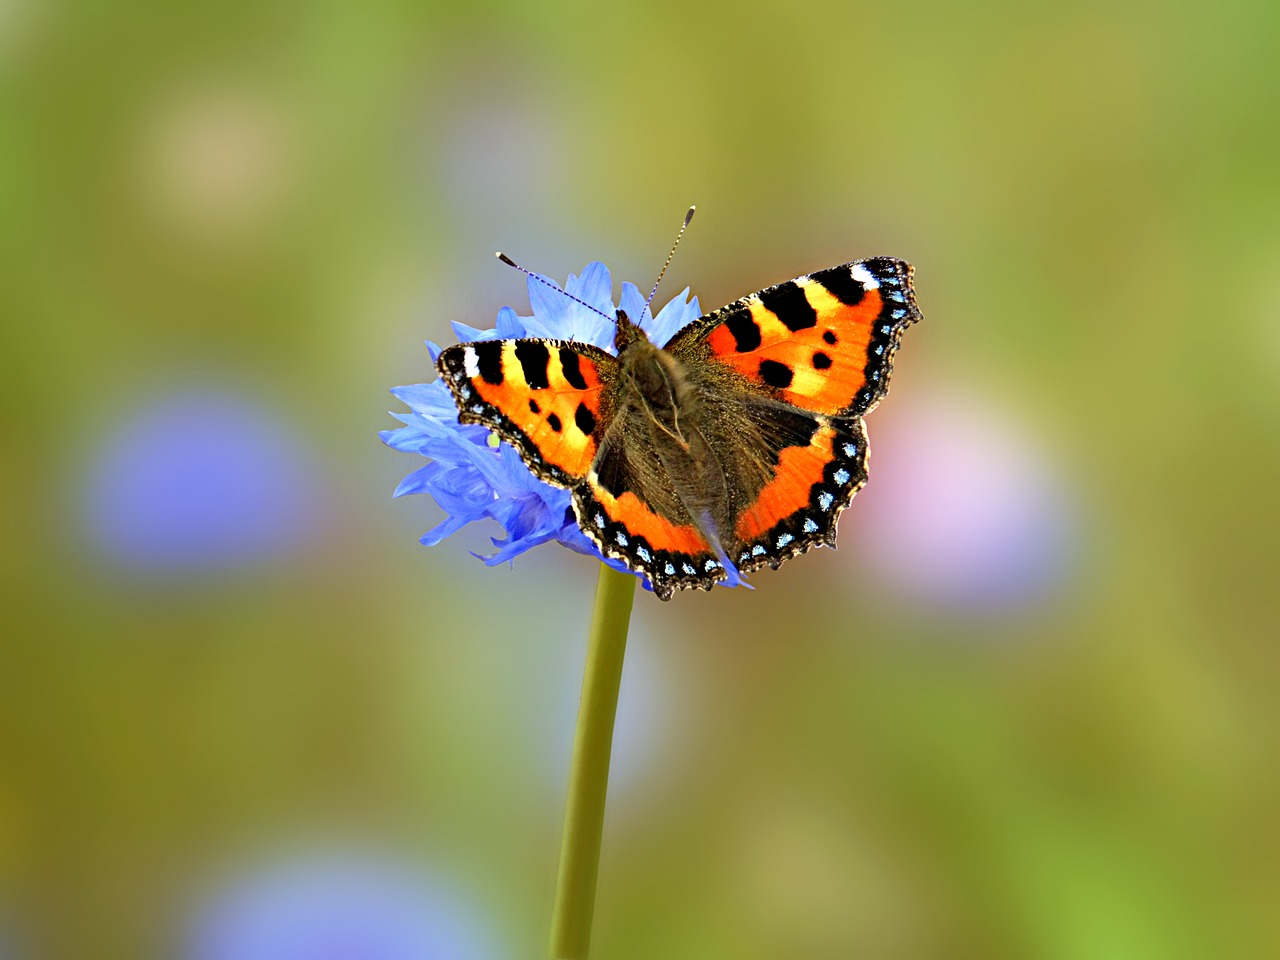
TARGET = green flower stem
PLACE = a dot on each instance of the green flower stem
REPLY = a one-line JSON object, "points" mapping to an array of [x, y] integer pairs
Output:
{"points": [[589, 776]]}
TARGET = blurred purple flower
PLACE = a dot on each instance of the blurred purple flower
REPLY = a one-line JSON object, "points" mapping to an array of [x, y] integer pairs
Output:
{"points": [[963, 511], [472, 480], [338, 907], [196, 481]]}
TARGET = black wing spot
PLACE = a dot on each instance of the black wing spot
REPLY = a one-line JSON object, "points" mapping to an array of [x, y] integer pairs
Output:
{"points": [[776, 374], [489, 360], [821, 361], [553, 422], [746, 334], [830, 337], [570, 364], [533, 406], [584, 419], [534, 359], [788, 302], [840, 284]]}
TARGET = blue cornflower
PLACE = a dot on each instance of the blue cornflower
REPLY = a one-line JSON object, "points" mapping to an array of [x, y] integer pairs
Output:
{"points": [[194, 481], [338, 904], [472, 480]]}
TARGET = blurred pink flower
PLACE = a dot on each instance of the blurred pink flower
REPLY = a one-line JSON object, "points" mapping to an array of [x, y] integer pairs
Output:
{"points": [[964, 509]]}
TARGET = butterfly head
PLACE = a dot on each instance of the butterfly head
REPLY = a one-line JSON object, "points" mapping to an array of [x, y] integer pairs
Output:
{"points": [[628, 333]]}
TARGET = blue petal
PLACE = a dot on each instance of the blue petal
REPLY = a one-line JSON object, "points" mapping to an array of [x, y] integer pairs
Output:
{"points": [[428, 399], [409, 439], [510, 326], [415, 482], [671, 319], [446, 528], [632, 303], [550, 306], [596, 330], [469, 334], [593, 286]]}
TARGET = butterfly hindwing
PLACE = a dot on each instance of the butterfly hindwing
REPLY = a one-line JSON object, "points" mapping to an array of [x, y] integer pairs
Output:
{"points": [[671, 555], [545, 397], [631, 506], [822, 342], [819, 469]]}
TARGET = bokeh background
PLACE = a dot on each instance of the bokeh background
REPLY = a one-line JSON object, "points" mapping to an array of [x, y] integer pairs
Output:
{"points": [[1028, 709]]}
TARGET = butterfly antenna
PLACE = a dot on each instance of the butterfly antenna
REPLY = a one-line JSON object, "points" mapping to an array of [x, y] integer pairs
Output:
{"points": [[511, 263], [663, 272]]}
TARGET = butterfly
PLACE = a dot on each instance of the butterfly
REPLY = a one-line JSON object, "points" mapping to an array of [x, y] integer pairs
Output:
{"points": [[739, 441]]}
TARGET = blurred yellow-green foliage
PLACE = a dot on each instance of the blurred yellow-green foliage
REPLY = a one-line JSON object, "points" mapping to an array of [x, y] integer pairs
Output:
{"points": [[1028, 710]]}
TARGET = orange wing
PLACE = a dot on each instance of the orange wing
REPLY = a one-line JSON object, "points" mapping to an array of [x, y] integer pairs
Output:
{"points": [[822, 342], [631, 507], [799, 507], [542, 396], [548, 399], [671, 554]]}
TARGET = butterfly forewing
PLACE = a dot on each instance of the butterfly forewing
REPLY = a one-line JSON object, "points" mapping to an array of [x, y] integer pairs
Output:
{"points": [[546, 397], [822, 342]]}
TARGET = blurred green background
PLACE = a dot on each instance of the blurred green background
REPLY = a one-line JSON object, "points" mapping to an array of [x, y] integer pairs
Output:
{"points": [[1029, 709]]}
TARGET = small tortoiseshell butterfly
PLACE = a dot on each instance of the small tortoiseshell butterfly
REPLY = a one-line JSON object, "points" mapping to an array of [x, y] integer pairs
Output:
{"points": [[740, 439]]}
